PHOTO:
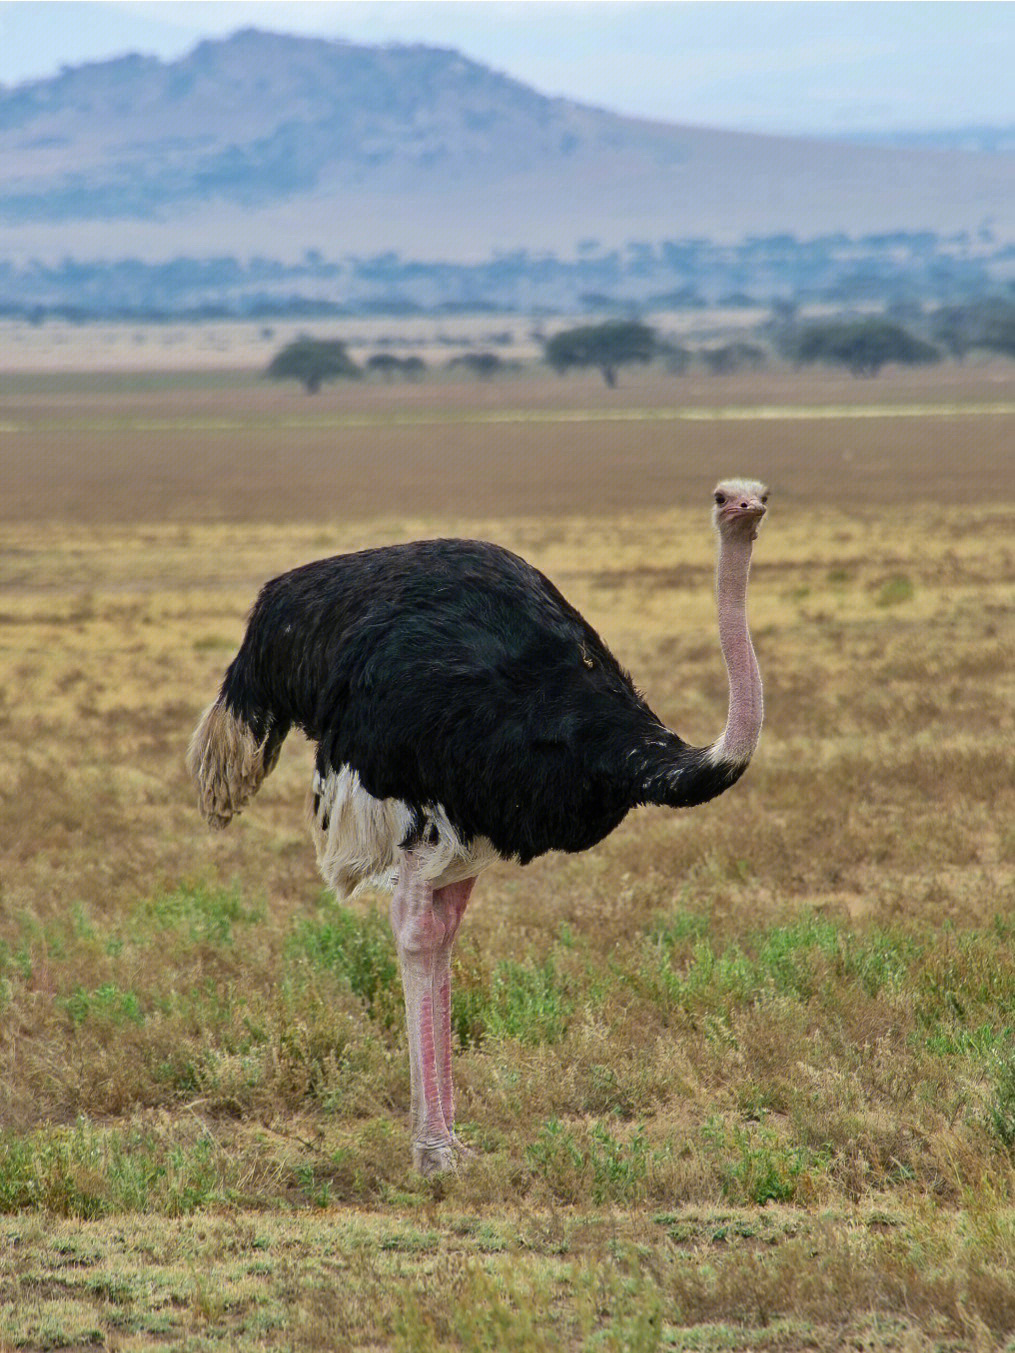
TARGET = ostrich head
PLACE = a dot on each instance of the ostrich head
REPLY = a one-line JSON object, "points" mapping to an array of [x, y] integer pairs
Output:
{"points": [[739, 507]]}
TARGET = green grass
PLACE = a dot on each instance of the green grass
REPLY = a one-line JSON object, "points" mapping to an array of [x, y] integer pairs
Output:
{"points": [[200, 913], [591, 1163], [1001, 1104], [895, 590], [88, 1172], [357, 948], [756, 1167], [528, 1001], [106, 1003], [793, 961]]}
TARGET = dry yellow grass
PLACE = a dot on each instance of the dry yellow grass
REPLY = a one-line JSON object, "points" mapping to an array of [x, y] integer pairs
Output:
{"points": [[741, 1077]]}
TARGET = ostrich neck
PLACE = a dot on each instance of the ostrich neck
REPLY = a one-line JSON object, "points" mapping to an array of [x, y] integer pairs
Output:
{"points": [[668, 770], [746, 709]]}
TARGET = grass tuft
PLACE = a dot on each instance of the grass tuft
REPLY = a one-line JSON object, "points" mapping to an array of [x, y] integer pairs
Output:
{"points": [[106, 1004], [755, 1167], [895, 590], [200, 912], [357, 948], [528, 1001], [1001, 1104], [590, 1163], [90, 1172]]}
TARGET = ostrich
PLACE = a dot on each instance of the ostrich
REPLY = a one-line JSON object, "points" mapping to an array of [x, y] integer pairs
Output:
{"points": [[463, 712]]}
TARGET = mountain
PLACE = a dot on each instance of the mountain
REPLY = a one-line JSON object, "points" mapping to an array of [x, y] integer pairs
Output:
{"points": [[990, 140], [263, 143]]}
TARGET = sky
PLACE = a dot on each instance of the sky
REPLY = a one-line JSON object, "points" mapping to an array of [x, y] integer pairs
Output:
{"points": [[809, 67]]}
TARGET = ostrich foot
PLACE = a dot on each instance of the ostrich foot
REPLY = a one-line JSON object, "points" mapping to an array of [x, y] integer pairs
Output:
{"points": [[462, 1149], [431, 1158]]}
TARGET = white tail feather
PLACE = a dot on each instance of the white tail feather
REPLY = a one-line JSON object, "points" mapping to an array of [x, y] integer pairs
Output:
{"points": [[227, 762]]}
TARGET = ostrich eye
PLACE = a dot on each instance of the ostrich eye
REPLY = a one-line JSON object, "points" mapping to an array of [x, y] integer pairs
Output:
{"points": [[764, 498], [720, 498]]}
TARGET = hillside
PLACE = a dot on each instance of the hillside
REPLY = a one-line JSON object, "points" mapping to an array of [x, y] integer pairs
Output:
{"points": [[272, 144]]}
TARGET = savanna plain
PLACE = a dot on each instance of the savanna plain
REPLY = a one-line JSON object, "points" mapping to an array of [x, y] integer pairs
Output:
{"points": [[740, 1078]]}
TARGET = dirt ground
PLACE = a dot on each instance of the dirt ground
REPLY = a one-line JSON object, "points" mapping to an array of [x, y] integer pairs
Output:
{"points": [[148, 448]]}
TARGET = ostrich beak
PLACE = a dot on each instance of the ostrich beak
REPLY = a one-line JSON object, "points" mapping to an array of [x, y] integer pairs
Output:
{"points": [[749, 510]]}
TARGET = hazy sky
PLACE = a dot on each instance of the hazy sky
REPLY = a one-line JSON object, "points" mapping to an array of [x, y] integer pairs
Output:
{"points": [[797, 67]]}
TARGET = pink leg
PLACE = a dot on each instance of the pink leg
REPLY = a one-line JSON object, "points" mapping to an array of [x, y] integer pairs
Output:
{"points": [[419, 937], [449, 904]]}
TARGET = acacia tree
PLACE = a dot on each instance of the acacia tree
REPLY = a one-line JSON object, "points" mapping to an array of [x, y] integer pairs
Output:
{"points": [[385, 364], [676, 359], [731, 357], [312, 361], [389, 366], [864, 346], [482, 364], [988, 323], [606, 346]]}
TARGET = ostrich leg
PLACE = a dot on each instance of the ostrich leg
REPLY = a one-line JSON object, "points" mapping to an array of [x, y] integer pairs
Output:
{"points": [[419, 936], [449, 903]]}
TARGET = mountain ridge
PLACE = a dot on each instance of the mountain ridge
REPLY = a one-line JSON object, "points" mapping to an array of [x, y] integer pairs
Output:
{"points": [[275, 142]]}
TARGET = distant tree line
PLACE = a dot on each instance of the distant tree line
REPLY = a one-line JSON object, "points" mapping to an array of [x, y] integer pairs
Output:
{"points": [[312, 361], [863, 346], [668, 274]]}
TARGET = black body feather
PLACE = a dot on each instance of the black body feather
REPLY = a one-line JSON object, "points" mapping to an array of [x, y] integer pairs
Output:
{"points": [[453, 672]]}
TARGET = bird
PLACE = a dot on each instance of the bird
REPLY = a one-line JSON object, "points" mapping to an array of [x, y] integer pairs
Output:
{"points": [[463, 712]]}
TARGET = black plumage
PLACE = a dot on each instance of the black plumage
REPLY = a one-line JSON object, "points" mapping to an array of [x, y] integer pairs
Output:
{"points": [[452, 672]]}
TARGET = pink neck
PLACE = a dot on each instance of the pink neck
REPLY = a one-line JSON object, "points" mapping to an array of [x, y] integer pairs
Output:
{"points": [[666, 769], [746, 708]]}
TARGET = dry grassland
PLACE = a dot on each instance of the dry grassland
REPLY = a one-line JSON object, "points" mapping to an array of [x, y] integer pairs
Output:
{"points": [[741, 1078]]}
